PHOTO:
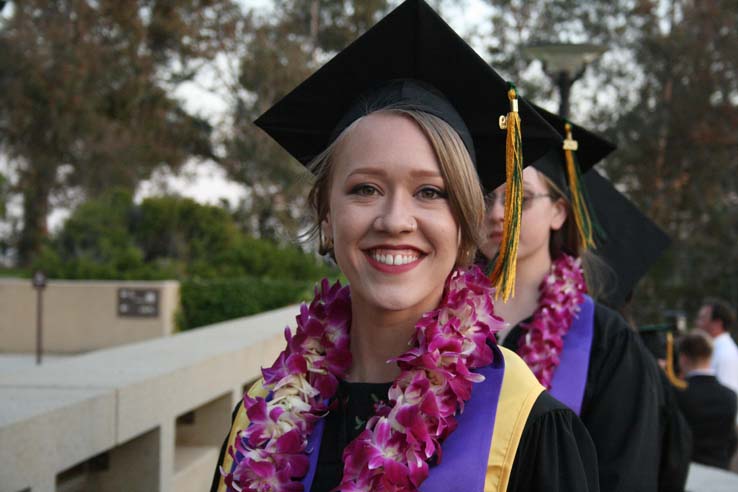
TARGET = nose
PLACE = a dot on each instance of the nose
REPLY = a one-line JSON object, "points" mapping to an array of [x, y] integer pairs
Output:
{"points": [[495, 209], [396, 215]]}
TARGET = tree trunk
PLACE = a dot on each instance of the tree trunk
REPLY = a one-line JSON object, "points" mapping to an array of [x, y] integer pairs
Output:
{"points": [[36, 191]]}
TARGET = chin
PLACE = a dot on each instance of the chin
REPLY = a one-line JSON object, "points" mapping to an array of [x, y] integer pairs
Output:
{"points": [[410, 294], [402, 297]]}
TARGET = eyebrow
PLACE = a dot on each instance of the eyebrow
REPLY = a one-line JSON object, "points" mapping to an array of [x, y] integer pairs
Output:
{"points": [[418, 173]]}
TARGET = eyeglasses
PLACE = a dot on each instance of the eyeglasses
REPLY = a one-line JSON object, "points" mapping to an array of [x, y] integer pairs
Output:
{"points": [[492, 197]]}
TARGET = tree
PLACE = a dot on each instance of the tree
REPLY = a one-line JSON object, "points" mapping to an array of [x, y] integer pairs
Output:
{"points": [[85, 94], [667, 92], [4, 192]]}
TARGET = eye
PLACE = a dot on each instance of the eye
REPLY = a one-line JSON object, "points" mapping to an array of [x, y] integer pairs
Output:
{"points": [[431, 193], [364, 189]]}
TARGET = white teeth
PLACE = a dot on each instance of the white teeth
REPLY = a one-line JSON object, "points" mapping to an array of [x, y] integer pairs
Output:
{"points": [[393, 259]]}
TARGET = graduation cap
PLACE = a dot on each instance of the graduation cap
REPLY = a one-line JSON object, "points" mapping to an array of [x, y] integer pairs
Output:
{"points": [[659, 340], [412, 59], [579, 150], [631, 242]]}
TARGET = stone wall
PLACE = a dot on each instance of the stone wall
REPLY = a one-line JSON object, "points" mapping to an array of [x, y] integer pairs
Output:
{"points": [[80, 316]]}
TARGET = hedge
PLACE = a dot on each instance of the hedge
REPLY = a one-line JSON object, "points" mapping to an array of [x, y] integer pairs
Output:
{"points": [[205, 302]]}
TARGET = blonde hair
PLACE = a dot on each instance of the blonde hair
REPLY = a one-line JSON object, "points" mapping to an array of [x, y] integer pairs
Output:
{"points": [[457, 170]]}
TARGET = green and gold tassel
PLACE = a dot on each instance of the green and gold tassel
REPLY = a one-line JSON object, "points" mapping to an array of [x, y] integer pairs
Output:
{"points": [[580, 208], [503, 273]]}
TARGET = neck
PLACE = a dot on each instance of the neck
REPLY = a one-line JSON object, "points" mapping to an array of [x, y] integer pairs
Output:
{"points": [[376, 337], [702, 365], [528, 277]]}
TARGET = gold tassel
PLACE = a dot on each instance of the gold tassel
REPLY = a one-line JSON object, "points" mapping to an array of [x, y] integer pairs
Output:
{"points": [[579, 205], [673, 378], [503, 274]]}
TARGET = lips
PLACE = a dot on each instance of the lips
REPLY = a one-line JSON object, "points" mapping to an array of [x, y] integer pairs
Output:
{"points": [[495, 235]]}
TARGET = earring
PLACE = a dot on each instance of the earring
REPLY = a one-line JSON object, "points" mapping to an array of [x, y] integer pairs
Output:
{"points": [[325, 244]]}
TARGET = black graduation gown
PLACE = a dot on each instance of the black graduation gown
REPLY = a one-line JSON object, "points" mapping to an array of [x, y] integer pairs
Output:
{"points": [[676, 441], [555, 452], [621, 404]]}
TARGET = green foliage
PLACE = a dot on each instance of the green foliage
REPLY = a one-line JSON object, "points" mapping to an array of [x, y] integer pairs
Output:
{"points": [[223, 272], [209, 301]]}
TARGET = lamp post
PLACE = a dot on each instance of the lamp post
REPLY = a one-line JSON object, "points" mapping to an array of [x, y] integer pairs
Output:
{"points": [[39, 283], [564, 63]]}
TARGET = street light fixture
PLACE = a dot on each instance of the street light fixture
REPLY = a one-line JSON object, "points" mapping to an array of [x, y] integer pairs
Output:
{"points": [[564, 63]]}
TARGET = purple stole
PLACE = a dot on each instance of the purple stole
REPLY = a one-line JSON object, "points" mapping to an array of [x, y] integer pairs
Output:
{"points": [[465, 452], [570, 377]]}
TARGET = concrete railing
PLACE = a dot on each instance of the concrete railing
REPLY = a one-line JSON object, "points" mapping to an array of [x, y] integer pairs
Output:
{"points": [[146, 417], [150, 416]]}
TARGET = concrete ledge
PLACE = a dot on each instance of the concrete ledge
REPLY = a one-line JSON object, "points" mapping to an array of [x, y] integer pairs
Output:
{"points": [[703, 478], [193, 467], [49, 430], [58, 415]]}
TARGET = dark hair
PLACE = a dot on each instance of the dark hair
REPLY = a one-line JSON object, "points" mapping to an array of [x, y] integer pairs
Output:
{"points": [[722, 311], [696, 346]]}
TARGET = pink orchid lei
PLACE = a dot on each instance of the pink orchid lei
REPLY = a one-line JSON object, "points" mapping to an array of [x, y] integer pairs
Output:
{"points": [[392, 453], [562, 292]]}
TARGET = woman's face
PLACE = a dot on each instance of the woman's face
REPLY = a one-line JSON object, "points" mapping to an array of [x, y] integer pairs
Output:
{"points": [[393, 232], [541, 215]]}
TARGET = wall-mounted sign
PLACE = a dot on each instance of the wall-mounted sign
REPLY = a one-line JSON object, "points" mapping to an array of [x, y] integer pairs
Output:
{"points": [[138, 303]]}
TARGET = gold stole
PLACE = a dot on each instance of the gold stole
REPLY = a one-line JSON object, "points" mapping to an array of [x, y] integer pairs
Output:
{"points": [[519, 391]]}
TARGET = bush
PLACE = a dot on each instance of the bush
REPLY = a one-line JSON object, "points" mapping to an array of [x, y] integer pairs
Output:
{"points": [[205, 302], [223, 273]]}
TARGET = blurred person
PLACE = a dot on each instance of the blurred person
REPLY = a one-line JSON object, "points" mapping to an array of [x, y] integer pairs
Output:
{"points": [[716, 318], [583, 351], [709, 407], [629, 245], [393, 140]]}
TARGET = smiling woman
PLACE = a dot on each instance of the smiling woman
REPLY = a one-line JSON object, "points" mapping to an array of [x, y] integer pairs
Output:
{"points": [[395, 382]]}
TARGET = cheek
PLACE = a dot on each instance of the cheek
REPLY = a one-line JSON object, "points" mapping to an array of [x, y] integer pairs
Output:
{"points": [[535, 228], [445, 233], [347, 226]]}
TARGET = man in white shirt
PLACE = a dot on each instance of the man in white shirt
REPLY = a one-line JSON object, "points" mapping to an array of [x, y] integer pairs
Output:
{"points": [[716, 317]]}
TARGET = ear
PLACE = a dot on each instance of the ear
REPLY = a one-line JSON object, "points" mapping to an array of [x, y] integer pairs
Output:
{"points": [[559, 215], [326, 227]]}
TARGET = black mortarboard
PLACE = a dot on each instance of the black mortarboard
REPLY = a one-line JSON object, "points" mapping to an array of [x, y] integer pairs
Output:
{"points": [[659, 340], [591, 149], [631, 242], [411, 58]]}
